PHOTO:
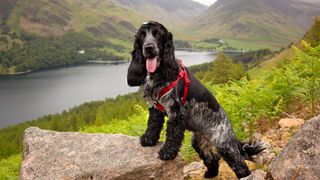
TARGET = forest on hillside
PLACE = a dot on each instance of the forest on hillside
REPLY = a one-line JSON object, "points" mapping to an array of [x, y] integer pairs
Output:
{"points": [[39, 53]]}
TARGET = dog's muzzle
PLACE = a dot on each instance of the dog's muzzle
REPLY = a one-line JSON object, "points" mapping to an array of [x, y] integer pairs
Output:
{"points": [[150, 50]]}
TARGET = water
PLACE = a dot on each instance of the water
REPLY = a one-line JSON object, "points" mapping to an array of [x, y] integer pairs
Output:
{"points": [[33, 95]]}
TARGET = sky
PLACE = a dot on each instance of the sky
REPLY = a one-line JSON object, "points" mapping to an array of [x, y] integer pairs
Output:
{"points": [[206, 2]]}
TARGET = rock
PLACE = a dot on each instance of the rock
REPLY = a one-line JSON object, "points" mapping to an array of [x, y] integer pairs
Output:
{"points": [[257, 135], [290, 122], [73, 155], [300, 158], [264, 157], [278, 138], [193, 170], [256, 175]]}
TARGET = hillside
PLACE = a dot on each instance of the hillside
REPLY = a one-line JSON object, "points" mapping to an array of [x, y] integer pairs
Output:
{"points": [[265, 67], [266, 23], [104, 29], [171, 13], [100, 18]]}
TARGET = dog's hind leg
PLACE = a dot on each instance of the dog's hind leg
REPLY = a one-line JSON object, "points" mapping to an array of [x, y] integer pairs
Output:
{"points": [[231, 154], [203, 147]]}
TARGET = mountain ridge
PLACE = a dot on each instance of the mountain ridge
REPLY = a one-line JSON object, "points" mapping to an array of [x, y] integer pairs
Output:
{"points": [[52, 17], [275, 22]]}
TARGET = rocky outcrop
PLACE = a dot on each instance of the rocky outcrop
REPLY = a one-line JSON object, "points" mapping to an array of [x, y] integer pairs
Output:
{"points": [[290, 122], [300, 158], [194, 170], [72, 155], [264, 157], [256, 175]]}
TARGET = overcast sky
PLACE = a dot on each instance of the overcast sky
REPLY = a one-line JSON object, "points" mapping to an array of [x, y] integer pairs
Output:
{"points": [[206, 2]]}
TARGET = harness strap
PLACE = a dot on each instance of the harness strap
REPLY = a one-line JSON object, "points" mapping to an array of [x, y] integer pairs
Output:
{"points": [[164, 91]]}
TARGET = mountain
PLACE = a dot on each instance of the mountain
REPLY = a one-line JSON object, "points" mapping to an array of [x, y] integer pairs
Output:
{"points": [[40, 35], [172, 13], [99, 17], [311, 1], [274, 23], [56, 17]]}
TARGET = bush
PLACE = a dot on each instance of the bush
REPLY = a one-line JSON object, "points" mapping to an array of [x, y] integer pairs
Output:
{"points": [[10, 167], [222, 70], [245, 101]]}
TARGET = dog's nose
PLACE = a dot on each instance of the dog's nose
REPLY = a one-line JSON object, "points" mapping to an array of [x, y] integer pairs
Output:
{"points": [[148, 47]]}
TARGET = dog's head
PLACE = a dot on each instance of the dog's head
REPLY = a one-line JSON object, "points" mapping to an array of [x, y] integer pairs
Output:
{"points": [[153, 53]]}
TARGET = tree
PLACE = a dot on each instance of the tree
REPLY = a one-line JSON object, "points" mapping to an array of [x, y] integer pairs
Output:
{"points": [[313, 35], [22, 67], [224, 69]]}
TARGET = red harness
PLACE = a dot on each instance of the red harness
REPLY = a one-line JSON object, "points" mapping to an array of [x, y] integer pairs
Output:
{"points": [[183, 74]]}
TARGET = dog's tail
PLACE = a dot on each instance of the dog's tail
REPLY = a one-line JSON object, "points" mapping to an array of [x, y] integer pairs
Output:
{"points": [[249, 149]]}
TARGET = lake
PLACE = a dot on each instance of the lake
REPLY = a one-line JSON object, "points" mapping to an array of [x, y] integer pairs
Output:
{"points": [[30, 96]]}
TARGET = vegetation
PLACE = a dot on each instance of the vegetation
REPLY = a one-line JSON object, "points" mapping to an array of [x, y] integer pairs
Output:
{"points": [[263, 68], [313, 35], [10, 167], [254, 57], [38, 53], [222, 70]]}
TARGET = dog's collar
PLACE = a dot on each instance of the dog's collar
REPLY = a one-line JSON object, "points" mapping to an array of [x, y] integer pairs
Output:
{"points": [[164, 91]]}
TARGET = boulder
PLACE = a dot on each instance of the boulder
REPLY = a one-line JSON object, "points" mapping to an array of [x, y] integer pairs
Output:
{"points": [[73, 155], [264, 157], [256, 175], [300, 158], [194, 170], [290, 122]]}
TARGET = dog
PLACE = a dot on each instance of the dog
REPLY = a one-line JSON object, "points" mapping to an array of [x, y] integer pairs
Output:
{"points": [[171, 90]]}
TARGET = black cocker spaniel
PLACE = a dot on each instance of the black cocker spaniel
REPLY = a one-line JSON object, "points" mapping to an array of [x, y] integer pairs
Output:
{"points": [[155, 67]]}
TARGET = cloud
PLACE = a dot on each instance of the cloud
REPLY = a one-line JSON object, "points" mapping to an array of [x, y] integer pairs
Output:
{"points": [[206, 2]]}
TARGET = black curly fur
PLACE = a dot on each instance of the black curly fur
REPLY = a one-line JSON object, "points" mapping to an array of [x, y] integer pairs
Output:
{"points": [[201, 113]]}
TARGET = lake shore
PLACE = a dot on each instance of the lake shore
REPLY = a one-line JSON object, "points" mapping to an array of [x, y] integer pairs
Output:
{"points": [[75, 64], [16, 73]]}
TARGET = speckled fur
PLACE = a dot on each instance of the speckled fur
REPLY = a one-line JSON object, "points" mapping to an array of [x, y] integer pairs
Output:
{"points": [[201, 114]]}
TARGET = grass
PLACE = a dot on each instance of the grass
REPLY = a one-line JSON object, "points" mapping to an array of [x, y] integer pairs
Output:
{"points": [[265, 67], [10, 167], [126, 44], [249, 45], [125, 55], [14, 18]]}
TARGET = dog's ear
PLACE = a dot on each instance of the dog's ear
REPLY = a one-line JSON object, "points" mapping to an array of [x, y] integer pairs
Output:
{"points": [[137, 71], [170, 67]]}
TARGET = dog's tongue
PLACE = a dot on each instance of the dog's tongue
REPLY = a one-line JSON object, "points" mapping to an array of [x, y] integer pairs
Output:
{"points": [[151, 64]]}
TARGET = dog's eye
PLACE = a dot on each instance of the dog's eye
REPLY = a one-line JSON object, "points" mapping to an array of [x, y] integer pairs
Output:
{"points": [[142, 34], [155, 32]]}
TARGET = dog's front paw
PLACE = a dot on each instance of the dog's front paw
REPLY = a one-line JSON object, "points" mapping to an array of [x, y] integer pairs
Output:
{"points": [[146, 141], [209, 174], [167, 154]]}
